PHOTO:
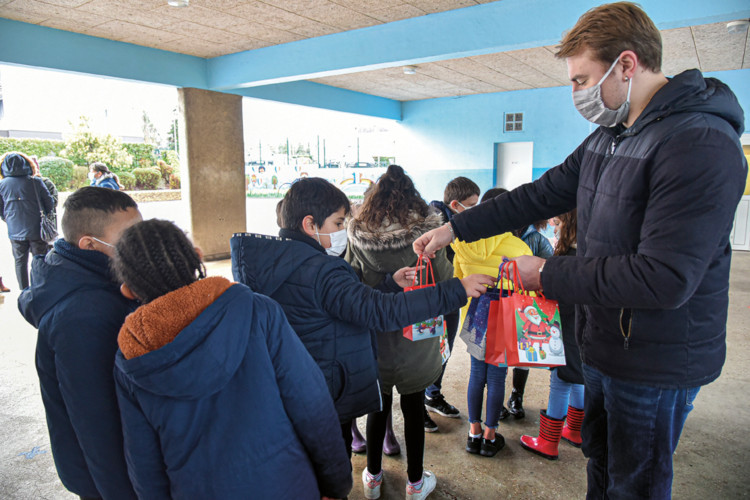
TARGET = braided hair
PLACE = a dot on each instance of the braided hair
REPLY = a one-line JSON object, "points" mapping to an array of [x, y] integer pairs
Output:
{"points": [[154, 257]]}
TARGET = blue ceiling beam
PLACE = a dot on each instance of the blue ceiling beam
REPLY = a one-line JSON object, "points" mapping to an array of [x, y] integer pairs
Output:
{"points": [[325, 97], [31, 45], [482, 29]]}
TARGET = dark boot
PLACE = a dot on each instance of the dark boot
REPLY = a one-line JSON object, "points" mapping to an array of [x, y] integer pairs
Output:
{"points": [[572, 430], [359, 445], [546, 444], [3, 288], [515, 403], [390, 443]]}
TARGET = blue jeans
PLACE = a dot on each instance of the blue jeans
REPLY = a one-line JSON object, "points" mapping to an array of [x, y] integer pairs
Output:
{"points": [[494, 378], [451, 323], [562, 394], [630, 432]]}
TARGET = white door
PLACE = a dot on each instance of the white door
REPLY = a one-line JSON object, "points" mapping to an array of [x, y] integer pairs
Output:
{"points": [[513, 163], [740, 236]]}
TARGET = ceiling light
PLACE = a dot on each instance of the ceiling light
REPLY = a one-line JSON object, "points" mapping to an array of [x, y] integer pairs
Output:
{"points": [[738, 26], [410, 70], [178, 3]]}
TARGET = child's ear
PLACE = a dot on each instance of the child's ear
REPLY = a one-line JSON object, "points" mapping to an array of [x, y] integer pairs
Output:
{"points": [[453, 205], [308, 226], [127, 292]]}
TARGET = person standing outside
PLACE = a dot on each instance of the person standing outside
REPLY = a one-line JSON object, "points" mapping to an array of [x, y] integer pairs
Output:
{"points": [[20, 197], [76, 305], [656, 187]]}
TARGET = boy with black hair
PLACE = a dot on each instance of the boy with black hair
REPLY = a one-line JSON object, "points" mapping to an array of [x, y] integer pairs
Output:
{"points": [[334, 314], [460, 194], [79, 310]]}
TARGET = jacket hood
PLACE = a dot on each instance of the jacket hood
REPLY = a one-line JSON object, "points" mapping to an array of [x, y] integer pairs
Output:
{"points": [[256, 258], [691, 92], [392, 236], [202, 356], [60, 273], [443, 209], [15, 165]]}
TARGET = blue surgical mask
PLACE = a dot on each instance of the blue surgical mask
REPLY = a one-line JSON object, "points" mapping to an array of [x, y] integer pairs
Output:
{"points": [[589, 103], [338, 242]]}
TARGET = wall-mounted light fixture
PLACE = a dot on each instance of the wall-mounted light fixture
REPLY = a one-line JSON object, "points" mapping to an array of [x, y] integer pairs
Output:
{"points": [[178, 3], [410, 70], [738, 26]]}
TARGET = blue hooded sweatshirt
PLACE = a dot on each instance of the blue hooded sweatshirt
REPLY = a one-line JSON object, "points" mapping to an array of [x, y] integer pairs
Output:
{"points": [[78, 310]]}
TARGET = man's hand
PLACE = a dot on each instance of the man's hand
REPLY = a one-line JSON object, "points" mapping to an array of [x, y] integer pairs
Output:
{"points": [[432, 241], [405, 276], [528, 268], [476, 284]]}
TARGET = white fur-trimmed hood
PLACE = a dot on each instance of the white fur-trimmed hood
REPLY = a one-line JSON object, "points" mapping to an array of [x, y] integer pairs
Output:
{"points": [[392, 236]]}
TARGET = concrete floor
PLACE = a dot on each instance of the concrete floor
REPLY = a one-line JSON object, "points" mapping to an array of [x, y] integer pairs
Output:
{"points": [[710, 462]]}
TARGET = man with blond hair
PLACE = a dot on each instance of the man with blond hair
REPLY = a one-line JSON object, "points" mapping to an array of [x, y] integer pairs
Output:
{"points": [[656, 187]]}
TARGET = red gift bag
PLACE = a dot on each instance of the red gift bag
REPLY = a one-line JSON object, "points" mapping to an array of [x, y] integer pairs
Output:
{"points": [[495, 343], [430, 327], [530, 328]]}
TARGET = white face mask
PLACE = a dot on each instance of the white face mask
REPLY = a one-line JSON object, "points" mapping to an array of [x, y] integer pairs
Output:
{"points": [[91, 176], [338, 242], [464, 206], [589, 103]]}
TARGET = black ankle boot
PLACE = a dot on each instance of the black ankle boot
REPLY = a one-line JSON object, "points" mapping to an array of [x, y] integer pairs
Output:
{"points": [[515, 403]]}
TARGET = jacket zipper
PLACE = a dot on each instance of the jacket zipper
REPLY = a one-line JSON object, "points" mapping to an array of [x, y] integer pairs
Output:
{"points": [[626, 336]]}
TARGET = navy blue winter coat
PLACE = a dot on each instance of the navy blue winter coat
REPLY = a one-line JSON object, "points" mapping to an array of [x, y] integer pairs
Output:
{"points": [[232, 407], [18, 199], [655, 205], [334, 314], [78, 310]]}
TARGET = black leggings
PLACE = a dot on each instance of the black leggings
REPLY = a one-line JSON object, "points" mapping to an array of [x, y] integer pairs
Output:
{"points": [[412, 406]]}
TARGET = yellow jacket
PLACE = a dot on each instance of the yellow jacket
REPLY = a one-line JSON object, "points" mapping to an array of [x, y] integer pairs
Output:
{"points": [[485, 256]]}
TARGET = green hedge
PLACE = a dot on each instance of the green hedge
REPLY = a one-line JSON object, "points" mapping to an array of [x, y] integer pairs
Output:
{"points": [[59, 171], [147, 178], [127, 179], [32, 147], [142, 153], [80, 177], [174, 181]]}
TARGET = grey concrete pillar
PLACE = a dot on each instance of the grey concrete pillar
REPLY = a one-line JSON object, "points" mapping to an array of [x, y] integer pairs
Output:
{"points": [[212, 154]]}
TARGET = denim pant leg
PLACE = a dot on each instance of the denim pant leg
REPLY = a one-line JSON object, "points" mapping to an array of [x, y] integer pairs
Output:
{"points": [[559, 392], [475, 392], [630, 432], [451, 323], [495, 394]]}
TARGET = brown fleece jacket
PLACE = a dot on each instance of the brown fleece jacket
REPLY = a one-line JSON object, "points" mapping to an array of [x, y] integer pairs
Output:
{"points": [[157, 323]]}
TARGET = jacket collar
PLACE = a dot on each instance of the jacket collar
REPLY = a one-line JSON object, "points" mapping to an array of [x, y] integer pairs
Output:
{"points": [[91, 260], [299, 236]]}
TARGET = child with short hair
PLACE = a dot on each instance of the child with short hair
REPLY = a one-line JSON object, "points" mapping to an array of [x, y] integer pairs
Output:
{"points": [[566, 382], [460, 194], [216, 391], [78, 309], [332, 312], [485, 256]]}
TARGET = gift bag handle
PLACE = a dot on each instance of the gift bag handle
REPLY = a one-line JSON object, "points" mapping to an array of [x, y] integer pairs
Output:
{"points": [[419, 278]]}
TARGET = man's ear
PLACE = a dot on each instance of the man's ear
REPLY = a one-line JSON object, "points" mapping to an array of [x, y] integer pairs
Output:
{"points": [[127, 292], [308, 226], [86, 243], [629, 61]]}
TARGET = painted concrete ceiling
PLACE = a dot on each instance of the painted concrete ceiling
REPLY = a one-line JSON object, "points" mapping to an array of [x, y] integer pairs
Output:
{"points": [[213, 28]]}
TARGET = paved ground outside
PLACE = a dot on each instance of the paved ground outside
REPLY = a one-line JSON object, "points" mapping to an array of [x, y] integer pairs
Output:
{"points": [[710, 462]]}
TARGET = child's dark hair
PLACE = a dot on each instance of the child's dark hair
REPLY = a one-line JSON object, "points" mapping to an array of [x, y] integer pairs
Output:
{"points": [[459, 189], [492, 193], [567, 235], [98, 166], [89, 209], [393, 198], [154, 257], [312, 196]]}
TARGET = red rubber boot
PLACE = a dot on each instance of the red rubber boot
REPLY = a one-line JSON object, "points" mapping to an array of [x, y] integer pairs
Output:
{"points": [[572, 430], [545, 445]]}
